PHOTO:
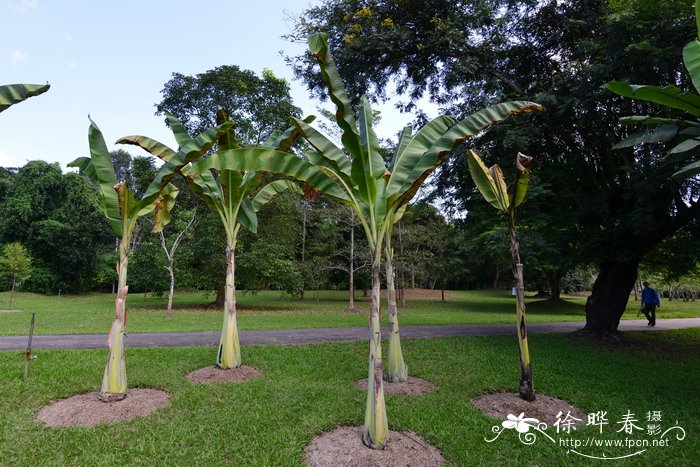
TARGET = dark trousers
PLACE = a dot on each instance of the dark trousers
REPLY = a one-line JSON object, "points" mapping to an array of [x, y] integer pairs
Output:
{"points": [[650, 312]]}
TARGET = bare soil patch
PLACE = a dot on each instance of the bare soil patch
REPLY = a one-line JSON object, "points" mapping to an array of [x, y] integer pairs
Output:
{"points": [[413, 387], [343, 447], [10, 311], [214, 374], [544, 408], [89, 410]]}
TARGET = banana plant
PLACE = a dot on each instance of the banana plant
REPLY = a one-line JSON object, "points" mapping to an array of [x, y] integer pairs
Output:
{"points": [[123, 210], [235, 195], [356, 175], [685, 129], [492, 187], [11, 94]]}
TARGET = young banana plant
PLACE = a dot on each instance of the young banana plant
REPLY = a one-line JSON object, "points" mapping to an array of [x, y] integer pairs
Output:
{"points": [[11, 94], [492, 186], [123, 211], [356, 175], [234, 193]]}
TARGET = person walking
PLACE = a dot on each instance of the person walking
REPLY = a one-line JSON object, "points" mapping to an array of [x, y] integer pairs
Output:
{"points": [[650, 300]]}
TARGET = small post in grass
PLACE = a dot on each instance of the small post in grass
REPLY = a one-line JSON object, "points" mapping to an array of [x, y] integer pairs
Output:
{"points": [[28, 353]]}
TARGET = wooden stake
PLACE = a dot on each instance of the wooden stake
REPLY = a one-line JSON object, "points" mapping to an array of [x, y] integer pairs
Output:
{"points": [[28, 353]]}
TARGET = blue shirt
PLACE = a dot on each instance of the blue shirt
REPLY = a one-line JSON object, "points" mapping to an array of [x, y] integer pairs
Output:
{"points": [[649, 295]]}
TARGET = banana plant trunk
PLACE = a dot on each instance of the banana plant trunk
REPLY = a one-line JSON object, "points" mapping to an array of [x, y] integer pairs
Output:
{"points": [[376, 428], [229, 355], [396, 370], [114, 379], [526, 389]]}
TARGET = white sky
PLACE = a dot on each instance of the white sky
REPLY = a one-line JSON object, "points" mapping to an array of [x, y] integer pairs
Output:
{"points": [[110, 59]]}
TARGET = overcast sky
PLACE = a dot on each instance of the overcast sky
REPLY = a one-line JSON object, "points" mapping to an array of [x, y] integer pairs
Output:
{"points": [[110, 59]]}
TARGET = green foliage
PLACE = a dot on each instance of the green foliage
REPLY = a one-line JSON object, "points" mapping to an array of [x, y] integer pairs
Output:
{"points": [[685, 134], [15, 263], [256, 105], [57, 216]]}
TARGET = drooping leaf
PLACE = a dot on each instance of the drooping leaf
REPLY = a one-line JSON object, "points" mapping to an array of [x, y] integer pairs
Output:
{"points": [[670, 96], [649, 120], [656, 135], [688, 171], [272, 189], [156, 148], [483, 180], [247, 216], [266, 160], [11, 94], [691, 59], [501, 188], [518, 189], [685, 146], [163, 206]]}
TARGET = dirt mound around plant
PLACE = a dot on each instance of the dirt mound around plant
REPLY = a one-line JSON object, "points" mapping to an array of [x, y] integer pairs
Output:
{"points": [[214, 374], [544, 408], [343, 447], [89, 410], [413, 387]]}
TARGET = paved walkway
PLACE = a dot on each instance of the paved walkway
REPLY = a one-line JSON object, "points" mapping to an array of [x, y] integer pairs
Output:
{"points": [[312, 336]]}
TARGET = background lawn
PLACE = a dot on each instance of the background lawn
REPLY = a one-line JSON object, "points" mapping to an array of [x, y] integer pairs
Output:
{"points": [[93, 313], [307, 390]]}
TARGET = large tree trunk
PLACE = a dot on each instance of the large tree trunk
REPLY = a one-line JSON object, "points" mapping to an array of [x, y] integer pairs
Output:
{"points": [[114, 378], [611, 292], [376, 428], [229, 355], [555, 285], [220, 295]]}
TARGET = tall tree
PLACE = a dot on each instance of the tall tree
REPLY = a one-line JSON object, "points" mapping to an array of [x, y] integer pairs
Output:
{"points": [[256, 105]]}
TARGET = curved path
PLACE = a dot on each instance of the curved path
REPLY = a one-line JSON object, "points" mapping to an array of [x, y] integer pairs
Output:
{"points": [[315, 335]]}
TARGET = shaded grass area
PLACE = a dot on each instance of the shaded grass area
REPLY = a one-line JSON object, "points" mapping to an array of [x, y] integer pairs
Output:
{"points": [[307, 390], [93, 313]]}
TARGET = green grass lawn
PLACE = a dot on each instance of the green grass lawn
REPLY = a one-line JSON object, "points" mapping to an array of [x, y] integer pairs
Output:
{"points": [[307, 390], [93, 313]]}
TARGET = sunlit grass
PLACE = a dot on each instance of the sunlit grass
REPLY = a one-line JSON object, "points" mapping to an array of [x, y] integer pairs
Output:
{"points": [[307, 390], [93, 313]]}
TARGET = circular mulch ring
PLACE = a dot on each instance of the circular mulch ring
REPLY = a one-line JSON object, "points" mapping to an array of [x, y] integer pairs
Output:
{"points": [[343, 447], [89, 410], [413, 387], [544, 408], [214, 374]]}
